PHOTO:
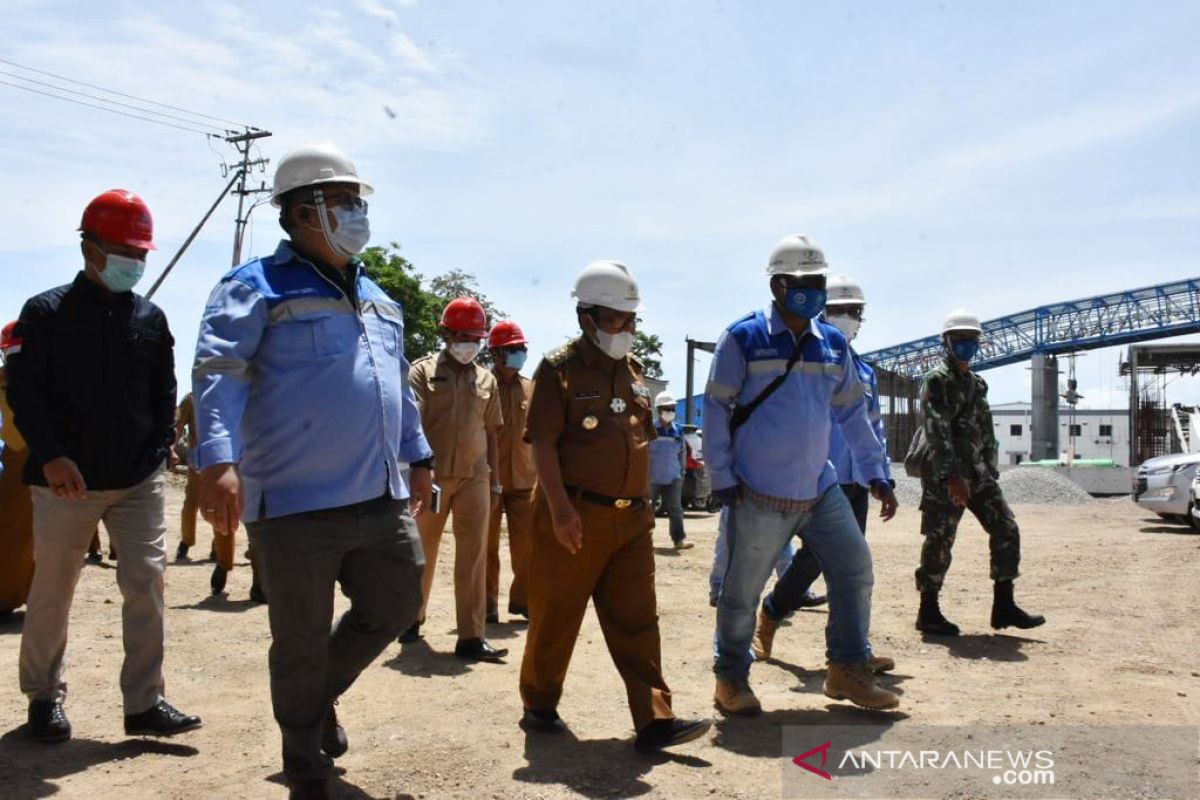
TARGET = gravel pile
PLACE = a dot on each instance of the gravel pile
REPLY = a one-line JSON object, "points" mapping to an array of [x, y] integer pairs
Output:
{"points": [[1033, 485], [1041, 486]]}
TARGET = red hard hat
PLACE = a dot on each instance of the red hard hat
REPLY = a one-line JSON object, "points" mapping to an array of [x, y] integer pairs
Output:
{"points": [[9, 344], [465, 315], [505, 333], [119, 216]]}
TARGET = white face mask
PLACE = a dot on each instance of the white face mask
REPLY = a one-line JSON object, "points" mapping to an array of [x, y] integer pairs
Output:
{"points": [[847, 325], [667, 416], [464, 352], [614, 345], [353, 230]]}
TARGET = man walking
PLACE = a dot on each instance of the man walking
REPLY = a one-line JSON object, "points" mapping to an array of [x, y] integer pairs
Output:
{"points": [[668, 458], [304, 419], [92, 388], [960, 472], [780, 379]]}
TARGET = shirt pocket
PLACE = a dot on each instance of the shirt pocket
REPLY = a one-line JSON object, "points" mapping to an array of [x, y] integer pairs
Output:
{"points": [[392, 334], [483, 396]]}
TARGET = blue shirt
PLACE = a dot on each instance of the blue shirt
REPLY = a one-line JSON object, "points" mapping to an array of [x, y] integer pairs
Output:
{"points": [[667, 454], [305, 389], [782, 449], [839, 451]]}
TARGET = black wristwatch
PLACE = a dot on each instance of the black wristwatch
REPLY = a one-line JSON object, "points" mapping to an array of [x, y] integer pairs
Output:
{"points": [[424, 463]]}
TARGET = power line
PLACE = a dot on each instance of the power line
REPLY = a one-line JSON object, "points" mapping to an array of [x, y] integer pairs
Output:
{"points": [[123, 94], [103, 99], [109, 110]]}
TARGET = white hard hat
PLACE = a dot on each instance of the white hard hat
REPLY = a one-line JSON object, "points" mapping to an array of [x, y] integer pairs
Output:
{"points": [[842, 290], [961, 320], [797, 255], [313, 165], [608, 284], [664, 399]]}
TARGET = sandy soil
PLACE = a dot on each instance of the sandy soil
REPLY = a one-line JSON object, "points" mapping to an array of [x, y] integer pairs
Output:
{"points": [[1119, 588]]}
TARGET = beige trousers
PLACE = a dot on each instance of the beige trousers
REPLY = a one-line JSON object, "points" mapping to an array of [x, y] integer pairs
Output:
{"points": [[469, 500], [62, 530]]}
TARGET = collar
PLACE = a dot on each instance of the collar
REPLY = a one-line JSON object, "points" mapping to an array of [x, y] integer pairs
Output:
{"points": [[776, 325], [285, 252], [83, 286], [588, 350]]}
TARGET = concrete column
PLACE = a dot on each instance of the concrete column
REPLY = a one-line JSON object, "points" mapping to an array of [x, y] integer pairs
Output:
{"points": [[1044, 427]]}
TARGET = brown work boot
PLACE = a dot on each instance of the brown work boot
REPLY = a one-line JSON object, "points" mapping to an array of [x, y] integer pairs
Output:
{"points": [[764, 635], [856, 683], [736, 697], [881, 664]]}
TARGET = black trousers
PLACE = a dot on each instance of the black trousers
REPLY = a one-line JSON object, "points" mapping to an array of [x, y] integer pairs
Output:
{"points": [[790, 589]]}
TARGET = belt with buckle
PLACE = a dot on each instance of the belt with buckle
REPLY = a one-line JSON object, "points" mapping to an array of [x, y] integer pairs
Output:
{"points": [[621, 503]]}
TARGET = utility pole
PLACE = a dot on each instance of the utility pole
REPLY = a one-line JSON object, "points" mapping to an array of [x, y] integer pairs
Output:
{"points": [[243, 142]]}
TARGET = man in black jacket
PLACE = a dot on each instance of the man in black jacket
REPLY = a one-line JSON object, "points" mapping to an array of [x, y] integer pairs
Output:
{"points": [[93, 393]]}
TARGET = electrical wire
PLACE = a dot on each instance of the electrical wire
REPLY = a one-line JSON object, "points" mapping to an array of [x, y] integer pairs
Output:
{"points": [[109, 110], [123, 94], [102, 99]]}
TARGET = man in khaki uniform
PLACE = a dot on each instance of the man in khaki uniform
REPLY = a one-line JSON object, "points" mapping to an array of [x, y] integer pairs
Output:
{"points": [[512, 491], [590, 425], [460, 412], [16, 521]]}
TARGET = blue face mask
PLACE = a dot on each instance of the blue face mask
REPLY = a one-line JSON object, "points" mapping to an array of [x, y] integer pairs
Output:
{"points": [[807, 303], [964, 349], [515, 359], [121, 273]]}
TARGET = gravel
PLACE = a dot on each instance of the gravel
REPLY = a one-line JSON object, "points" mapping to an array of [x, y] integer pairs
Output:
{"points": [[1024, 485]]}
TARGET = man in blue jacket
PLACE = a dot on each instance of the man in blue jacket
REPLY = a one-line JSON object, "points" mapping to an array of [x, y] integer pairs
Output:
{"points": [[780, 379], [843, 310], [668, 459], [305, 420]]}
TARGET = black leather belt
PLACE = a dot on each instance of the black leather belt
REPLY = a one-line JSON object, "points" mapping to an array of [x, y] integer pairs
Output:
{"points": [[605, 500]]}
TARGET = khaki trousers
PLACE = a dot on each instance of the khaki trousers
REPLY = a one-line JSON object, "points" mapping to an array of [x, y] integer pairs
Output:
{"points": [[468, 499], [62, 530], [517, 506], [615, 569], [16, 532]]}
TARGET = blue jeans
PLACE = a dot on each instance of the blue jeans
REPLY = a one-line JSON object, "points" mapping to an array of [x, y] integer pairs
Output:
{"points": [[756, 535], [672, 498], [721, 557]]}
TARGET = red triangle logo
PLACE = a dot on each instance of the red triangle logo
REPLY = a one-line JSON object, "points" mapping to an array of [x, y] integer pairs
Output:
{"points": [[823, 749]]}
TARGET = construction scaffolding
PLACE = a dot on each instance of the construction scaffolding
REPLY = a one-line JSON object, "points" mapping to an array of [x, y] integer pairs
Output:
{"points": [[1150, 369]]}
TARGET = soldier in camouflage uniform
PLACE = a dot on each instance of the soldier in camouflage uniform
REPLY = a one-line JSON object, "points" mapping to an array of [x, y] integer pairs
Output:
{"points": [[959, 472]]}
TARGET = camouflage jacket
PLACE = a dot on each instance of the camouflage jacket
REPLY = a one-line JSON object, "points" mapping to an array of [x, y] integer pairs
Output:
{"points": [[958, 425]]}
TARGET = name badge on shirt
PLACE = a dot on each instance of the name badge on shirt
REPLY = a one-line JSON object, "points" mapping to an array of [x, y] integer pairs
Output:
{"points": [[590, 395]]}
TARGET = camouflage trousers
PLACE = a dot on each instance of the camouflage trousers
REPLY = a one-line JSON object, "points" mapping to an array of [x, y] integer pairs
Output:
{"points": [[939, 525]]}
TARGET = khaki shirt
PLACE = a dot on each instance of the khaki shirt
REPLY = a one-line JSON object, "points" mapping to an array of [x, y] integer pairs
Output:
{"points": [[597, 412], [458, 408], [516, 456], [185, 417]]}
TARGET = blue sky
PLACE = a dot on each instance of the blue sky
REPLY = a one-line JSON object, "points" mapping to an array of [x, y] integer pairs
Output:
{"points": [[989, 155]]}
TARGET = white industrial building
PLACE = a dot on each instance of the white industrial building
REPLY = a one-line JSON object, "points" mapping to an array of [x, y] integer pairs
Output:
{"points": [[1096, 433]]}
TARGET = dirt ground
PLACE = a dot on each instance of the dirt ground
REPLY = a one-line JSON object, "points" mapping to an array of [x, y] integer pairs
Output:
{"points": [[1118, 587]]}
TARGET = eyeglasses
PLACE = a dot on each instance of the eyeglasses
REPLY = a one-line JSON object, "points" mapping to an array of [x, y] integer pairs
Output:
{"points": [[350, 202], [855, 312]]}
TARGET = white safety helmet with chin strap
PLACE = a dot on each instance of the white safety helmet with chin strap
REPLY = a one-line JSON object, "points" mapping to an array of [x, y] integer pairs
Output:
{"points": [[608, 284], [842, 290], [797, 255], [961, 320], [663, 399], [314, 165]]}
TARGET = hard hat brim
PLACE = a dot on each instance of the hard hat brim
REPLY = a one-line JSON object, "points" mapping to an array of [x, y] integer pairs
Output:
{"points": [[844, 301], [364, 188]]}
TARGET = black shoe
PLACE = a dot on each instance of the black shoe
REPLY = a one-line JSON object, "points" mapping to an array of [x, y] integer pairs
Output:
{"points": [[181, 552], [95, 557], [1006, 612], [542, 721], [518, 611], [670, 732], [712, 600], [492, 618], [161, 719], [219, 576], [930, 619], [812, 600], [48, 721], [479, 650], [309, 790], [212, 555], [257, 594], [333, 736], [413, 634]]}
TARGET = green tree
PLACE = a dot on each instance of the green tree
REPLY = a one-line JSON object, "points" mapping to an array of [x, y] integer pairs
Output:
{"points": [[648, 349]]}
